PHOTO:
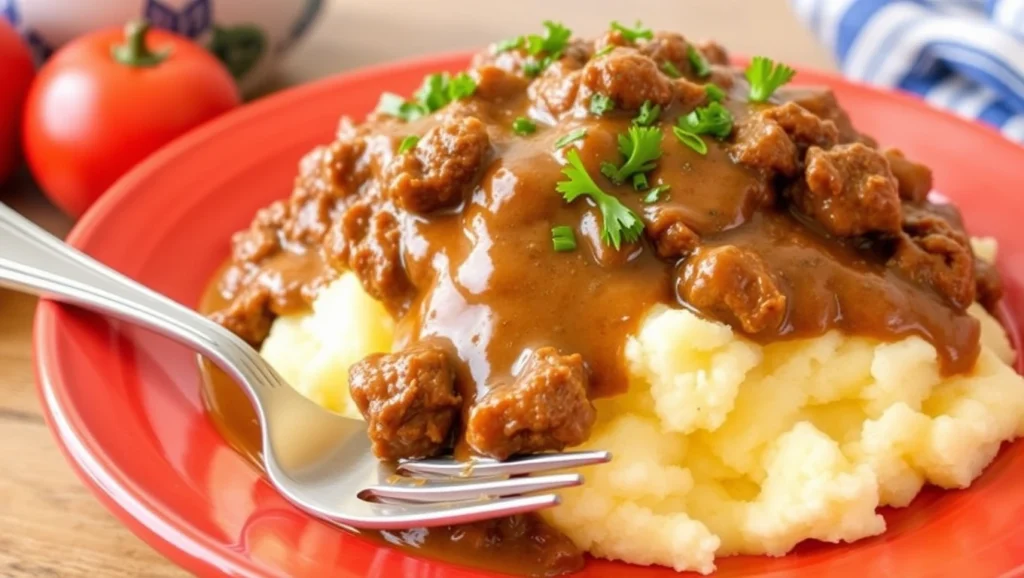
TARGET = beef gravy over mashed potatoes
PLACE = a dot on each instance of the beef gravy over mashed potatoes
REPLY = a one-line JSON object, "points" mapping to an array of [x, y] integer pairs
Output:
{"points": [[627, 244]]}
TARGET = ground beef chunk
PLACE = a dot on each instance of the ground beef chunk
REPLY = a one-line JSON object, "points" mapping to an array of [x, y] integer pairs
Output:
{"points": [[367, 240], [822, 103], [988, 284], [934, 253], [668, 47], [408, 399], [915, 180], [714, 52], [555, 90], [494, 83], [439, 170], [804, 128], [546, 407], [668, 231], [248, 315], [628, 78], [732, 284], [850, 191], [762, 143]]}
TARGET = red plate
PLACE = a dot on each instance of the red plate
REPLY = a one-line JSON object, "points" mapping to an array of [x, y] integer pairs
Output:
{"points": [[125, 406]]}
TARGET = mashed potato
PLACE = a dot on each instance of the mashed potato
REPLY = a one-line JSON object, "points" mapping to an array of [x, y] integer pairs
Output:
{"points": [[723, 446]]}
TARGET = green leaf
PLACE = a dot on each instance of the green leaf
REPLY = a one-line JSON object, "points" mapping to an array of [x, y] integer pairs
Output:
{"points": [[765, 77], [648, 114], [408, 143], [618, 222], [509, 44], [655, 193], [670, 69], [600, 104], [524, 126], [715, 94], [461, 86], [642, 148], [700, 64], [608, 48], [691, 140], [713, 119], [563, 238], [398, 107], [640, 182], [570, 137], [635, 33]]}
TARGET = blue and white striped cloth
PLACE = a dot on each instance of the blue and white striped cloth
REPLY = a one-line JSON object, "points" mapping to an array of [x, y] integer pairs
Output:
{"points": [[966, 56]]}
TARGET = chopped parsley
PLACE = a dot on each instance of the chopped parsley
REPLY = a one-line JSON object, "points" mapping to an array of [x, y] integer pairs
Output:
{"points": [[655, 193], [398, 107], [408, 143], [563, 239], [633, 34], [618, 222], [509, 44], [640, 182], [765, 76], [438, 90], [670, 69], [544, 49], [604, 51], [713, 119], [642, 148], [714, 92], [691, 140], [570, 137], [698, 62], [648, 114], [600, 104], [524, 126]]}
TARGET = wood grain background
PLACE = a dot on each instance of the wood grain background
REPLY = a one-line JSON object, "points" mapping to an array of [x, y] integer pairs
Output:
{"points": [[50, 526]]}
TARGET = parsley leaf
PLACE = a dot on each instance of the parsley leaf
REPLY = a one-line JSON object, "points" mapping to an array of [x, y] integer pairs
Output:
{"points": [[555, 39], [619, 222], [765, 76], [713, 119], [648, 114], [642, 148], [570, 137], [635, 33], [698, 62], [437, 91], [653, 195], [398, 107], [604, 51], [524, 126], [408, 143], [533, 68], [600, 104], [509, 44], [714, 92], [563, 239], [691, 140], [670, 69], [640, 182]]}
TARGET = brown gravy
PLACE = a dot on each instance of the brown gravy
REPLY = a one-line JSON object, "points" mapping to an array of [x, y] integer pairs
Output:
{"points": [[454, 237], [521, 545]]}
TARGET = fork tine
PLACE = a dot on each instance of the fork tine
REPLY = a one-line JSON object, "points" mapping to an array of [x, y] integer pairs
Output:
{"points": [[404, 516], [483, 467], [414, 490]]}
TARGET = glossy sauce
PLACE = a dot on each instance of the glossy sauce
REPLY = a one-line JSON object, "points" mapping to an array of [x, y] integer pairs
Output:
{"points": [[522, 545]]}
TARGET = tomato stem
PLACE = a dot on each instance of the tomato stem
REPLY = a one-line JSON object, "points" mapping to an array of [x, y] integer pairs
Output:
{"points": [[135, 51]]}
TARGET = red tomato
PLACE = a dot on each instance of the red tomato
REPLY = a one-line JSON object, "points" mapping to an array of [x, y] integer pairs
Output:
{"points": [[16, 72], [106, 100]]}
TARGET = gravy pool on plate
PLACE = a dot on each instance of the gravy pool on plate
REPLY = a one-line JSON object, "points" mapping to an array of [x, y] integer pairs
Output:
{"points": [[628, 240]]}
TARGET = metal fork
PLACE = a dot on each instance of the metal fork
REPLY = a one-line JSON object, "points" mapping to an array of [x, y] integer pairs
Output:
{"points": [[318, 460]]}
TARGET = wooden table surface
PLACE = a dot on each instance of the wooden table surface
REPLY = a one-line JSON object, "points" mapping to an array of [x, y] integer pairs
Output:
{"points": [[50, 525]]}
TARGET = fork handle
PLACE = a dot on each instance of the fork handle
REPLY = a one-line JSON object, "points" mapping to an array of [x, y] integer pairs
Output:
{"points": [[33, 261]]}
